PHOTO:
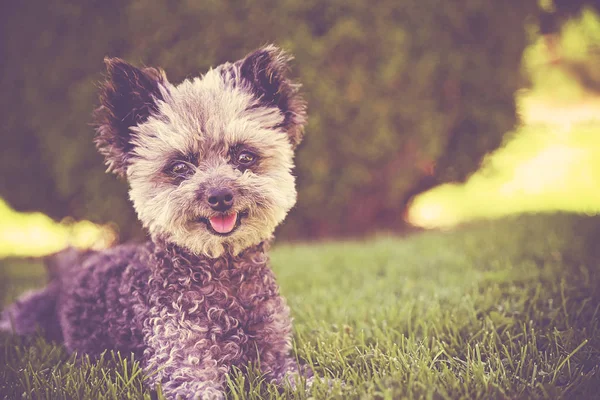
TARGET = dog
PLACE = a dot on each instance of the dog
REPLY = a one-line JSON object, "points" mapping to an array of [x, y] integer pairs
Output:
{"points": [[209, 166]]}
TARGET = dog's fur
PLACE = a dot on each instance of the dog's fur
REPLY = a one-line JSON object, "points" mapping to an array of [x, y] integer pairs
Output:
{"points": [[191, 303]]}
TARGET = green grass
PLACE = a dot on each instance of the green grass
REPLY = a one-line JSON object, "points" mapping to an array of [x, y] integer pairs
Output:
{"points": [[497, 309]]}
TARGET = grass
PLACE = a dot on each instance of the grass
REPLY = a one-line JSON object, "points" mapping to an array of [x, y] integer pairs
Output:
{"points": [[496, 309]]}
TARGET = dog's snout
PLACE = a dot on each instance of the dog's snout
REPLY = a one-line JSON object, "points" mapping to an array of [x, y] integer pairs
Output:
{"points": [[220, 199]]}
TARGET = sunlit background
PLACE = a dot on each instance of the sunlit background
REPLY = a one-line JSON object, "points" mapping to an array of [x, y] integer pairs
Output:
{"points": [[549, 162]]}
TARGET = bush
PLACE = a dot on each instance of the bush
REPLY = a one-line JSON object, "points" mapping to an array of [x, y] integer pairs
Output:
{"points": [[402, 95]]}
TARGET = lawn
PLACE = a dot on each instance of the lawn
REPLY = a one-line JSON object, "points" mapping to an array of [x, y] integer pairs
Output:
{"points": [[496, 309]]}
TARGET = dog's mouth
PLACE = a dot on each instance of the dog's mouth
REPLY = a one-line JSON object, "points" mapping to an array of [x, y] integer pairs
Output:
{"points": [[224, 224]]}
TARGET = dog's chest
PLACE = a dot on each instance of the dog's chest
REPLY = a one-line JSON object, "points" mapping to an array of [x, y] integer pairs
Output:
{"points": [[222, 306], [229, 298]]}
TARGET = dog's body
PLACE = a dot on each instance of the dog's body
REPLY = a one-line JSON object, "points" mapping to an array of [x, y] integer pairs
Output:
{"points": [[209, 165]]}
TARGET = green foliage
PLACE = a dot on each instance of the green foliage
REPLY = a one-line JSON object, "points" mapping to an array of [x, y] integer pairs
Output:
{"points": [[505, 309], [396, 91], [570, 8], [570, 71], [542, 169]]}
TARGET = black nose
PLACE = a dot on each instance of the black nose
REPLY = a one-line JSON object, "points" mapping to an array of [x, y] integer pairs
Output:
{"points": [[220, 199]]}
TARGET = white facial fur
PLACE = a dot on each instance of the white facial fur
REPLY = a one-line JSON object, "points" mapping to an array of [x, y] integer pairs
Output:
{"points": [[204, 118]]}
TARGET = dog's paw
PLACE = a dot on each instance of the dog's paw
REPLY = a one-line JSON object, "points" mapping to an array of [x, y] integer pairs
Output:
{"points": [[211, 395]]}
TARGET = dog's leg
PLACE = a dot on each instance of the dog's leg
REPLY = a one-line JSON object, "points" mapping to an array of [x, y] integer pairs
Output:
{"points": [[273, 344], [192, 390], [182, 380], [181, 361], [32, 311]]}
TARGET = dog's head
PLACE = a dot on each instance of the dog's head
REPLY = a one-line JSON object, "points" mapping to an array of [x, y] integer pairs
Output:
{"points": [[209, 161]]}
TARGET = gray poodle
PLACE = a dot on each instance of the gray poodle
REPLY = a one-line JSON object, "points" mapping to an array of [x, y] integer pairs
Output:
{"points": [[209, 164]]}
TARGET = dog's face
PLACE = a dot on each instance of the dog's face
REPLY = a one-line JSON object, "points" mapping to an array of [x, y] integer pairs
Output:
{"points": [[209, 161]]}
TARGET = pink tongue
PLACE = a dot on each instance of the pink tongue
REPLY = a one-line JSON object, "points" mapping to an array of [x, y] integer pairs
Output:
{"points": [[223, 223]]}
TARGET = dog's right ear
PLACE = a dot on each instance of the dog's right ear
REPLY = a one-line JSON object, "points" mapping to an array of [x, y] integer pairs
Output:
{"points": [[127, 98]]}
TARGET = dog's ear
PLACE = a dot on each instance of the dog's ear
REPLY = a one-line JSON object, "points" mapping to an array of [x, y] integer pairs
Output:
{"points": [[127, 98], [265, 71]]}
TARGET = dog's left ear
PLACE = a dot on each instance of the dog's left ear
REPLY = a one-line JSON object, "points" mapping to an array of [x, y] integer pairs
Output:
{"points": [[265, 70]]}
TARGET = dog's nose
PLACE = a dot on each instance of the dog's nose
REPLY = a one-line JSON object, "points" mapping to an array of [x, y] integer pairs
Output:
{"points": [[220, 199]]}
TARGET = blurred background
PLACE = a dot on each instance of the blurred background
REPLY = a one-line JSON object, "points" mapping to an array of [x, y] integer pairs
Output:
{"points": [[422, 114]]}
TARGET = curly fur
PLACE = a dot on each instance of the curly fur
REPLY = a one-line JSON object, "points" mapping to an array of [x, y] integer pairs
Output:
{"points": [[190, 303]]}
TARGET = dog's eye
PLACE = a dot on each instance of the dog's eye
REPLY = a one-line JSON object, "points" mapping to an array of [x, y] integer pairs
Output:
{"points": [[180, 169], [246, 158]]}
